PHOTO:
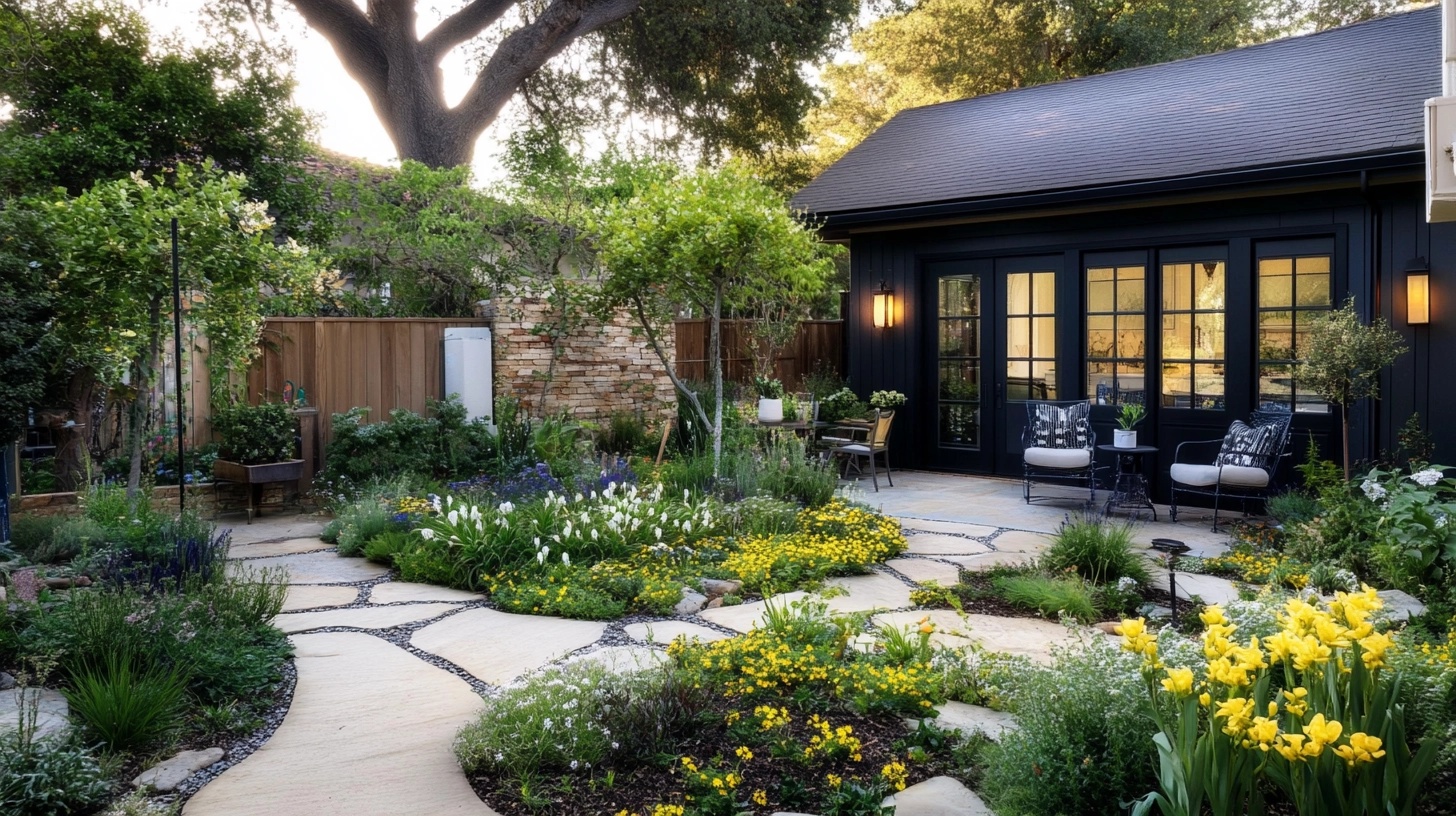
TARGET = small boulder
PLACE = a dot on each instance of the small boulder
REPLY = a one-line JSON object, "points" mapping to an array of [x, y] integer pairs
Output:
{"points": [[714, 603], [717, 589], [165, 777], [1107, 627], [7, 681], [1400, 606], [938, 796], [692, 602]]}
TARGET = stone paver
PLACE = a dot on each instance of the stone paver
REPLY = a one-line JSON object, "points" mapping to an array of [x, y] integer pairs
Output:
{"points": [[1021, 541], [978, 563], [305, 596], [1028, 637], [376, 617], [403, 591], [924, 570], [1211, 588], [868, 592], [931, 526], [744, 617], [969, 719], [938, 796], [290, 546], [497, 646], [166, 776], [368, 734], [938, 544], [52, 713], [665, 632], [623, 659], [318, 568], [273, 527]]}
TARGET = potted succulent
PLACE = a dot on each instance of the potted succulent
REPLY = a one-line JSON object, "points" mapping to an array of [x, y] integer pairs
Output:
{"points": [[1125, 435], [258, 444], [770, 399]]}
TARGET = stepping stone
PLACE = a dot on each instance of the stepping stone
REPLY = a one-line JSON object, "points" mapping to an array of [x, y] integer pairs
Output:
{"points": [[665, 632], [273, 528], [290, 546], [303, 596], [1027, 637], [936, 544], [1021, 541], [316, 568], [377, 617], [938, 796], [403, 591], [1399, 606], [497, 647], [53, 714], [368, 733], [958, 528], [1211, 588], [743, 617], [970, 719], [979, 563], [924, 570], [867, 592], [166, 776], [623, 659]]}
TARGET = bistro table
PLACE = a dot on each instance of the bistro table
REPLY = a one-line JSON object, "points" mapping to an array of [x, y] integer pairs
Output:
{"points": [[1130, 486]]}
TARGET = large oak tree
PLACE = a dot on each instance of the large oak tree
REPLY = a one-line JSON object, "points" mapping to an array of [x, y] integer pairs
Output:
{"points": [[726, 71]]}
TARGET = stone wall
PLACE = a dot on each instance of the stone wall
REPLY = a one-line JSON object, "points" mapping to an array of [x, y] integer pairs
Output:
{"points": [[601, 370], [207, 500]]}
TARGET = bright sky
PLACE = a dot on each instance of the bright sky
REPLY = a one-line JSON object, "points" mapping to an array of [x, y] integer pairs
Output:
{"points": [[346, 121]]}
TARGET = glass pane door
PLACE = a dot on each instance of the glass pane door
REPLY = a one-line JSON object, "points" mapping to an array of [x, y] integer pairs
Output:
{"points": [[959, 343]]}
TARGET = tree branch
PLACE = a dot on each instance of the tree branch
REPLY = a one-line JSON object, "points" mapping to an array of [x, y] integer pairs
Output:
{"points": [[528, 48], [461, 26], [354, 39], [681, 386]]}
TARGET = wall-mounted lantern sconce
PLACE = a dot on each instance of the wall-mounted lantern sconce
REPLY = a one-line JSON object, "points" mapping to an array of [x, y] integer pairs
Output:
{"points": [[1418, 292], [884, 307]]}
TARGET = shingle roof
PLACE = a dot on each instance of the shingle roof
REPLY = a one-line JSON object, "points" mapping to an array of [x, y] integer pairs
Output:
{"points": [[1351, 91]]}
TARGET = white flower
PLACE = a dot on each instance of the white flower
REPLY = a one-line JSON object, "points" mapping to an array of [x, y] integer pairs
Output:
{"points": [[507, 507], [1427, 477], [1126, 584], [427, 534], [541, 557], [1373, 490], [454, 517], [574, 764], [566, 559], [1441, 519]]}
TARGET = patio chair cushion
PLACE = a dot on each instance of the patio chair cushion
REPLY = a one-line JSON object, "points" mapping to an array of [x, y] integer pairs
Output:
{"points": [[855, 449], [1061, 427], [1247, 446], [1210, 475], [1064, 458]]}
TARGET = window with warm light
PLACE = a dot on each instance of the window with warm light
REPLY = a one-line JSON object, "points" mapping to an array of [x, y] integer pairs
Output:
{"points": [[1193, 335], [1293, 293]]}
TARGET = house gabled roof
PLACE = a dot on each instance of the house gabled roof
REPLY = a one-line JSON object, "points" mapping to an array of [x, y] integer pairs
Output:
{"points": [[1347, 92]]}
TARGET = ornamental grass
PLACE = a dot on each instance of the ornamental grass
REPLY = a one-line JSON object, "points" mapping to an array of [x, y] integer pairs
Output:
{"points": [[1312, 709]]}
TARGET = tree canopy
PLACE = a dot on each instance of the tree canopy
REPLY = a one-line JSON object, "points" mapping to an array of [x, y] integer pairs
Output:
{"points": [[727, 73], [96, 96]]}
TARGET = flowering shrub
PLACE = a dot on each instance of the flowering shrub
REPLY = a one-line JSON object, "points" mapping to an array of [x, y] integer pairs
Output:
{"points": [[834, 539], [1330, 735], [886, 400]]}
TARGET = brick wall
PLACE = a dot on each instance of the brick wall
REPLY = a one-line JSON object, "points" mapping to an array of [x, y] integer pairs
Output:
{"points": [[602, 369]]}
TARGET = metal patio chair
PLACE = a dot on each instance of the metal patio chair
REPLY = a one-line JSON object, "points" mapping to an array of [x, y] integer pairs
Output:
{"points": [[1245, 466], [1058, 446]]}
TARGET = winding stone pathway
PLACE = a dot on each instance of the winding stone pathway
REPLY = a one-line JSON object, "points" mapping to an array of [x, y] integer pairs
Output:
{"points": [[389, 671]]}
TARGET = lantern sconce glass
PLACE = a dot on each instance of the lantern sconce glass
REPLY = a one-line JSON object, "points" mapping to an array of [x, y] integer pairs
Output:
{"points": [[884, 312], [1418, 292]]}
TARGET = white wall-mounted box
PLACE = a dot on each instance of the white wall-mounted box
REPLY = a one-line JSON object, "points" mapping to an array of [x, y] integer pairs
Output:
{"points": [[469, 371]]}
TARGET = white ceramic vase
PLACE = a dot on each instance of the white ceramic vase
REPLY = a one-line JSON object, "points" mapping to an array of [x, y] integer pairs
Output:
{"points": [[1124, 439], [770, 410]]}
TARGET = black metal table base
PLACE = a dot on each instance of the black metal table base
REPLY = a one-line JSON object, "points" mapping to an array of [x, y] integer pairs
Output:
{"points": [[1130, 486]]}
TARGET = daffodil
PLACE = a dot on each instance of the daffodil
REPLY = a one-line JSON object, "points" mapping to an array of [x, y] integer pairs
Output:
{"points": [[1363, 748], [1373, 648], [1322, 733], [1295, 703], [1179, 682]]}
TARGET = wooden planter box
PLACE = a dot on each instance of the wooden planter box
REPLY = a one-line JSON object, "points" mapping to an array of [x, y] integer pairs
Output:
{"points": [[255, 476]]}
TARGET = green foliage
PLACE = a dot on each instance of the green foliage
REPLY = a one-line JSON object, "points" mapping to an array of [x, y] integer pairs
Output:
{"points": [[1050, 596], [27, 348], [763, 515], [48, 777], [31, 533], [70, 538], [256, 434], [768, 388], [442, 445], [1098, 551], [547, 724], [625, 434], [125, 706], [96, 96], [717, 240], [1083, 745], [361, 523], [1292, 507], [423, 234], [567, 592], [382, 548]]}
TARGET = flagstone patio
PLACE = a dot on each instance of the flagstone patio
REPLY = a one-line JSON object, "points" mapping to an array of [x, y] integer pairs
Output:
{"points": [[388, 671]]}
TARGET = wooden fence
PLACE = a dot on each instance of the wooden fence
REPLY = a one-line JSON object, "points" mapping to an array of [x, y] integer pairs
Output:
{"points": [[816, 342]]}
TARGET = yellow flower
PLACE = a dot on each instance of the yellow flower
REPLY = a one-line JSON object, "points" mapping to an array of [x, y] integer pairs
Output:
{"points": [[1205, 699], [1294, 701], [759, 797], [1373, 649], [689, 764], [1262, 733], [1238, 711], [744, 753], [1309, 651], [1280, 645], [1332, 634], [1362, 748], [1179, 682], [1222, 671], [834, 781], [1291, 747], [1212, 615], [1322, 733]]}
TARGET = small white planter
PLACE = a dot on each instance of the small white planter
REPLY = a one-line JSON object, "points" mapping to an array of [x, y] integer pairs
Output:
{"points": [[1124, 439], [770, 410]]}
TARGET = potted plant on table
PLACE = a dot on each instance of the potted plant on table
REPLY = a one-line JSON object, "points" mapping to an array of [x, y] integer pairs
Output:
{"points": [[258, 444], [1125, 435], [887, 400], [770, 399]]}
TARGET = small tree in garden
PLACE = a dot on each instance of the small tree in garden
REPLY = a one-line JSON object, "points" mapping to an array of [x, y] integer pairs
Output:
{"points": [[710, 242], [115, 281], [1343, 359]]}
